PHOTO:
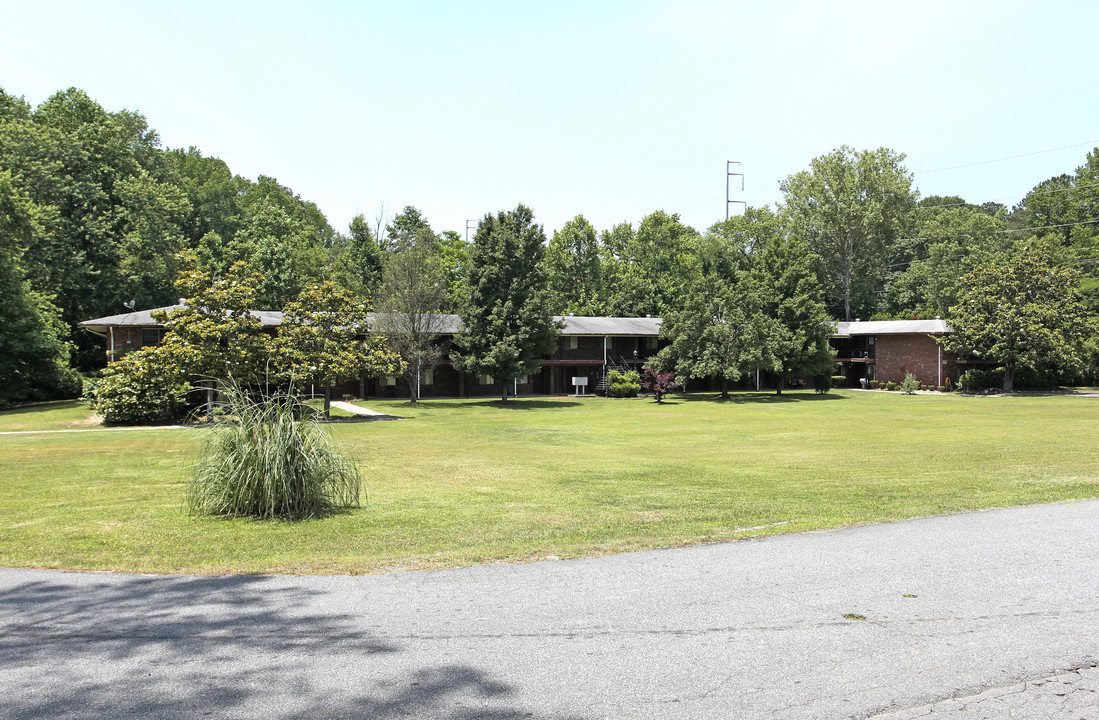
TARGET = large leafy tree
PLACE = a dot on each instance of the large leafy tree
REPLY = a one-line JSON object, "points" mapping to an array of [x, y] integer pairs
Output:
{"points": [[1024, 312], [454, 262], [409, 306], [358, 259], [33, 352], [508, 324], [1065, 209], [950, 239], [214, 335], [850, 207], [717, 330], [574, 268], [650, 269], [213, 194], [409, 227], [92, 176], [323, 336], [795, 324]]}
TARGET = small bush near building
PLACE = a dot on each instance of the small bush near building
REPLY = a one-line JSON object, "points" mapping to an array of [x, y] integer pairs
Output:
{"points": [[623, 384], [976, 380], [874, 384], [138, 390], [274, 458], [910, 384]]}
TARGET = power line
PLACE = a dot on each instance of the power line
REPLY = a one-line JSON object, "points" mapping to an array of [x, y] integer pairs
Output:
{"points": [[1011, 230], [1011, 157], [1048, 227], [1008, 197]]}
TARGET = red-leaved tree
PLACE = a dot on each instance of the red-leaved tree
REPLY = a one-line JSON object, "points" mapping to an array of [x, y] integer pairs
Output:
{"points": [[659, 382]]}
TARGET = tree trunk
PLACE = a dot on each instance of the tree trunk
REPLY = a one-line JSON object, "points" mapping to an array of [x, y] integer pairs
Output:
{"points": [[1009, 377], [504, 391], [781, 381], [724, 388], [847, 272], [327, 402]]}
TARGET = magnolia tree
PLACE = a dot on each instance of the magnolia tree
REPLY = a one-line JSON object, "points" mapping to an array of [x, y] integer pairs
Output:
{"points": [[1025, 312], [323, 337]]}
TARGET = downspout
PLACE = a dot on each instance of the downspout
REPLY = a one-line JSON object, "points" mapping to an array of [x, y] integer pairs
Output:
{"points": [[940, 383], [110, 329]]}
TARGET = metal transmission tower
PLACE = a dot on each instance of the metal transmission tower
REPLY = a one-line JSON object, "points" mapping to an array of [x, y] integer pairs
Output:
{"points": [[730, 174]]}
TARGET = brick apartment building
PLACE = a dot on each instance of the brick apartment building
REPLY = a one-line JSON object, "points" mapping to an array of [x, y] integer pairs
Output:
{"points": [[590, 346]]}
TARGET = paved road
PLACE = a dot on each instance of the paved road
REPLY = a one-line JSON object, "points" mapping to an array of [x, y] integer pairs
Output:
{"points": [[1004, 603]]}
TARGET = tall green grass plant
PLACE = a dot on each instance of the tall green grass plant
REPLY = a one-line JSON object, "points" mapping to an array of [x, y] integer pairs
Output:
{"points": [[272, 458]]}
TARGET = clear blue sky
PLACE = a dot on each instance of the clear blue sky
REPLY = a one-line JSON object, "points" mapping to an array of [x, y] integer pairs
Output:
{"points": [[609, 109]]}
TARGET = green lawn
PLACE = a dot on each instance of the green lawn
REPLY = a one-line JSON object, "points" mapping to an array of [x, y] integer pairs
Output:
{"points": [[464, 482], [59, 415]]}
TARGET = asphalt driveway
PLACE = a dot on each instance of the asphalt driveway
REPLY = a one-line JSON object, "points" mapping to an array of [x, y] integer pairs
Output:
{"points": [[997, 602]]}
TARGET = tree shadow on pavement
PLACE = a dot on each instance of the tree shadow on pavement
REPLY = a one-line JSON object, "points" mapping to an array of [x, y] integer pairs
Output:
{"points": [[244, 646]]}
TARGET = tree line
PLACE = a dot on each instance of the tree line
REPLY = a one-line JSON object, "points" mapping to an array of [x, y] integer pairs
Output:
{"points": [[98, 217]]}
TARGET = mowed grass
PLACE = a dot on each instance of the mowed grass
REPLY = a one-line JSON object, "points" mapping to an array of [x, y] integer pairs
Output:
{"points": [[58, 415], [464, 482]]}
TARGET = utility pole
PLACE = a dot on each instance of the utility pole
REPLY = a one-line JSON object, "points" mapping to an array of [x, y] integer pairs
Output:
{"points": [[730, 174]]}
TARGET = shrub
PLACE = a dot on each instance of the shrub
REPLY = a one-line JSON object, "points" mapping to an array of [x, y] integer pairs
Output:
{"points": [[941, 388], [910, 384], [138, 389], [619, 384], [87, 396], [274, 458], [660, 382], [977, 380], [874, 384]]}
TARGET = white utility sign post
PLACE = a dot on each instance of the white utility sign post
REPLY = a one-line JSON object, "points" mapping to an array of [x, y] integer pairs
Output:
{"points": [[581, 384]]}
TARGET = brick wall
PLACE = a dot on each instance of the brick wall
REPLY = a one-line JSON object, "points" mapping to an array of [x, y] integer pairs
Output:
{"points": [[917, 354]]}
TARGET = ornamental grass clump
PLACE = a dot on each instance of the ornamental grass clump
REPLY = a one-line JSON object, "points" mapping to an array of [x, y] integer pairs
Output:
{"points": [[273, 458]]}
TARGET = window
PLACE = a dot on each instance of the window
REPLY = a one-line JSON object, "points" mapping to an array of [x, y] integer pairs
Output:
{"points": [[570, 343], [650, 343], [484, 379], [427, 377], [150, 336], [389, 381], [523, 379]]}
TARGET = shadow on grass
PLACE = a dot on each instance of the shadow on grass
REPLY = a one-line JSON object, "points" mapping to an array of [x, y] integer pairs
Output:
{"points": [[82, 645], [515, 404], [760, 398], [38, 407], [365, 418]]}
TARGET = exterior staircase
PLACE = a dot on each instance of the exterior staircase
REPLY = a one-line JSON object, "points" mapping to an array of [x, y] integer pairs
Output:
{"points": [[620, 365]]}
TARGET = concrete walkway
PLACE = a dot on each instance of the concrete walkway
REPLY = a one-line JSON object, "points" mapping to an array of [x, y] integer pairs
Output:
{"points": [[983, 615], [356, 410], [361, 411]]}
